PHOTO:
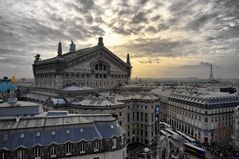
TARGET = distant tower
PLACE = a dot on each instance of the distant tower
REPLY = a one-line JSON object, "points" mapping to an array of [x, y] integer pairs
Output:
{"points": [[59, 52], [211, 75], [128, 60]]}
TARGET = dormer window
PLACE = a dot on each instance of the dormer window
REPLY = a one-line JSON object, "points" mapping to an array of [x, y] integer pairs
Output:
{"points": [[122, 140], [22, 135], [114, 143], [53, 151], [96, 146], [20, 154], [53, 132], [67, 131], [38, 134], [68, 148], [37, 153], [82, 147]]}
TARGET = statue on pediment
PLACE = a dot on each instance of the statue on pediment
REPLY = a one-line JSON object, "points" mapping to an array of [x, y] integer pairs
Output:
{"points": [[72, 47], [37, 58]]}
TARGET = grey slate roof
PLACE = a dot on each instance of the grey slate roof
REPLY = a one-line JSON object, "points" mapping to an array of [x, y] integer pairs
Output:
{"points": [[73, 55], [27, 133]]}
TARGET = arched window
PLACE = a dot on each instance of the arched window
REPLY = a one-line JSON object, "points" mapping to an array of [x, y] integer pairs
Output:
{"points": [[114, 143], [96, 67], [100, 66], [53, 152], [96, 145], [20, 154], [37, 152], [104, 67], [68, 149], [82, 147]]}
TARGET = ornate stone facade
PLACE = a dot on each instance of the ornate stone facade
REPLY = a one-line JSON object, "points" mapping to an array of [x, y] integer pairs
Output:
{"points": [[95, 67]]}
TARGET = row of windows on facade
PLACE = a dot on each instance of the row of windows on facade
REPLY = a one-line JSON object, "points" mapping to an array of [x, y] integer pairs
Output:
{"points": [[223, 110], [141, 106], [68, 149], [143, 117], [198, 117], [188, 129], [184, 127], [100, 75], [204, 106], [140, 126], [100, 66], [140, 133]]}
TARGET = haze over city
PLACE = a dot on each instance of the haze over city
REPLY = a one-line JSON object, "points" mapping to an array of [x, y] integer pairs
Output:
{"points": [[167, 38]]}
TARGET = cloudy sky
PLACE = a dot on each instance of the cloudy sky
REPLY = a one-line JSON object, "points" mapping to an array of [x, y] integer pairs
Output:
{"points": [[165, 38]]}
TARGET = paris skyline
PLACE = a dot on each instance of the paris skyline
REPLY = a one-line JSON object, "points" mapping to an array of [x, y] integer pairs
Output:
{"points": [[175, 38]]}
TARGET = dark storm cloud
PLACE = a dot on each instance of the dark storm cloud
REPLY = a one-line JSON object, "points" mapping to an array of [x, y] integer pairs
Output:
{"points": [[82, 6], [156, 47], [142, 2], [89, 19], [126, 12], [209, 64], [140, 17], [200, 22], [152, 29], [121, 30], [149, 60], [96, 30], [201, 65], [99, 20], [155, 18], [56, 18]]}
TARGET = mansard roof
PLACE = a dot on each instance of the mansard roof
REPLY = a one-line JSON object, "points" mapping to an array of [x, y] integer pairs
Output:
{"points": [[48, 134], [69, 56], [209, 99]]}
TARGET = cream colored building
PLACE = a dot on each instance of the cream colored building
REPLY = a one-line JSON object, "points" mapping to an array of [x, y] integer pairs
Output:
{"points": [[205, 116]]}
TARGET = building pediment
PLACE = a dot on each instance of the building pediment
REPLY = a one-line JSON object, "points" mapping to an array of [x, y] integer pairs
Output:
{"points": [[101, 54]]}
